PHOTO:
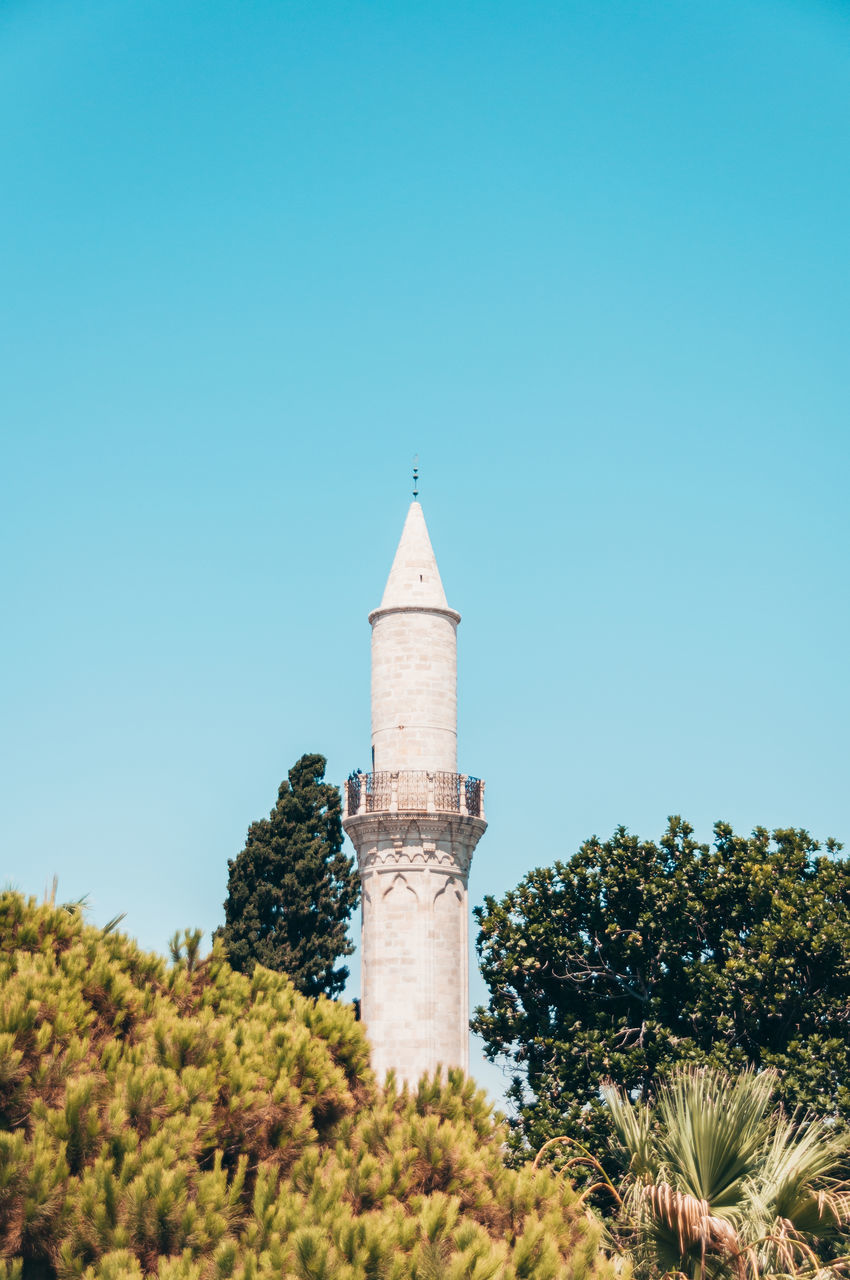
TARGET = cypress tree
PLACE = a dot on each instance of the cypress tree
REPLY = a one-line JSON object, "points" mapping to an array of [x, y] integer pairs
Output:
{"points": [[291, 890]]}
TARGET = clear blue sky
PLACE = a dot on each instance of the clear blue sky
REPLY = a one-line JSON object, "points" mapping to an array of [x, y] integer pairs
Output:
{"points": [[590, 260]]}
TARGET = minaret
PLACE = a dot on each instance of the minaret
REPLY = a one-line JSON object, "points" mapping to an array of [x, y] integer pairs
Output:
{"points": [[415, 822]]}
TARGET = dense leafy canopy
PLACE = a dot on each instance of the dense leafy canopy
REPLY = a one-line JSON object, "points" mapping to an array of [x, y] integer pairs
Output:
{"points": [[194, 1123], [633, 957], [291, 891]]}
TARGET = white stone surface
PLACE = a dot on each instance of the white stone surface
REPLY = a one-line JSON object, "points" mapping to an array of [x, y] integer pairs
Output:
{"points": [[414, 577], [414, 690], [415, 945], [414, 866]]}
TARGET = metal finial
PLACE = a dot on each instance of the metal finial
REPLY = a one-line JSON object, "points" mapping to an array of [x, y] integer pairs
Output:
{"points": [[416, 476]]}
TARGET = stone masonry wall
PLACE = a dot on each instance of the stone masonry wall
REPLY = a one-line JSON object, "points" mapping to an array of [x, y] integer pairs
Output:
{"points": [[415, 945], [414, 689], [414, 869]]}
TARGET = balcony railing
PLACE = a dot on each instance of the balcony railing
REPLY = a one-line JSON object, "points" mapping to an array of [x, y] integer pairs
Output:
{"points": [[414, 791]]}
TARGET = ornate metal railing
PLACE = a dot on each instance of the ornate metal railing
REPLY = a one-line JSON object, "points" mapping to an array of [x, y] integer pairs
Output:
{"points": [[379, 789], [414, 791], [353, 791], [474, 789]]}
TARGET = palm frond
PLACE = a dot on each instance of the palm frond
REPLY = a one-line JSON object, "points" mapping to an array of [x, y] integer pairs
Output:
{"points": [[691, 1220], [796, 1182], [633, 1127], [722, 1186], [713, 1132]]}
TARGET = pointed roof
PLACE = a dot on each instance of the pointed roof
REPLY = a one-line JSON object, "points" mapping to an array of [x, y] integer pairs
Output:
{"points": [[414, 580]]}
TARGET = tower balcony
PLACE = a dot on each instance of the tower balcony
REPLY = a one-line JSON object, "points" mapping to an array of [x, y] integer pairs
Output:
{"points": [[413, 791]]}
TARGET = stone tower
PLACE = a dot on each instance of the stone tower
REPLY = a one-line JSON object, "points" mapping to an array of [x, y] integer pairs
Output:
{"points": [[415, 822]]}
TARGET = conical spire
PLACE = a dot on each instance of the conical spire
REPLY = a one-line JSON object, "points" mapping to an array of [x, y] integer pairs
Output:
{"points": [[414, 579]]}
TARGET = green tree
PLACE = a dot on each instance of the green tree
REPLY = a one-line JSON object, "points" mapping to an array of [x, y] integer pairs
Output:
{"points": [[633, 957], [291, 891], [718, 1182], [164, 1123]]}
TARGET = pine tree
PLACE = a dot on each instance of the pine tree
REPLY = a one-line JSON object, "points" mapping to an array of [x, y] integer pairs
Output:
{"points": [[168, 1122], [291, 890]]}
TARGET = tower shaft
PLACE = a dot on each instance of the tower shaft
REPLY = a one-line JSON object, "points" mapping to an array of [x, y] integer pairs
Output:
{"points": [[414, 689], [414, 822]]}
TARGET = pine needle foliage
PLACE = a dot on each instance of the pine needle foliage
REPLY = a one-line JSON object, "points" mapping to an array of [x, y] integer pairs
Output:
{"points": [[190, 1122]]}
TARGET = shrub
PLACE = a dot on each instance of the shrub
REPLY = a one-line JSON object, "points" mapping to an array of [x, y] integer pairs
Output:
{"points": [[192, 1122]]}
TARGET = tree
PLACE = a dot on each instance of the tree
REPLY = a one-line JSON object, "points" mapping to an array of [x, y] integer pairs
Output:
{"points": [[633, 957], [291, 891], [157, 1122], [718, 1182]]}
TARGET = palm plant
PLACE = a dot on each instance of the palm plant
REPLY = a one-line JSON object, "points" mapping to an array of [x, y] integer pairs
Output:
{"points": [[721, 1184]]}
